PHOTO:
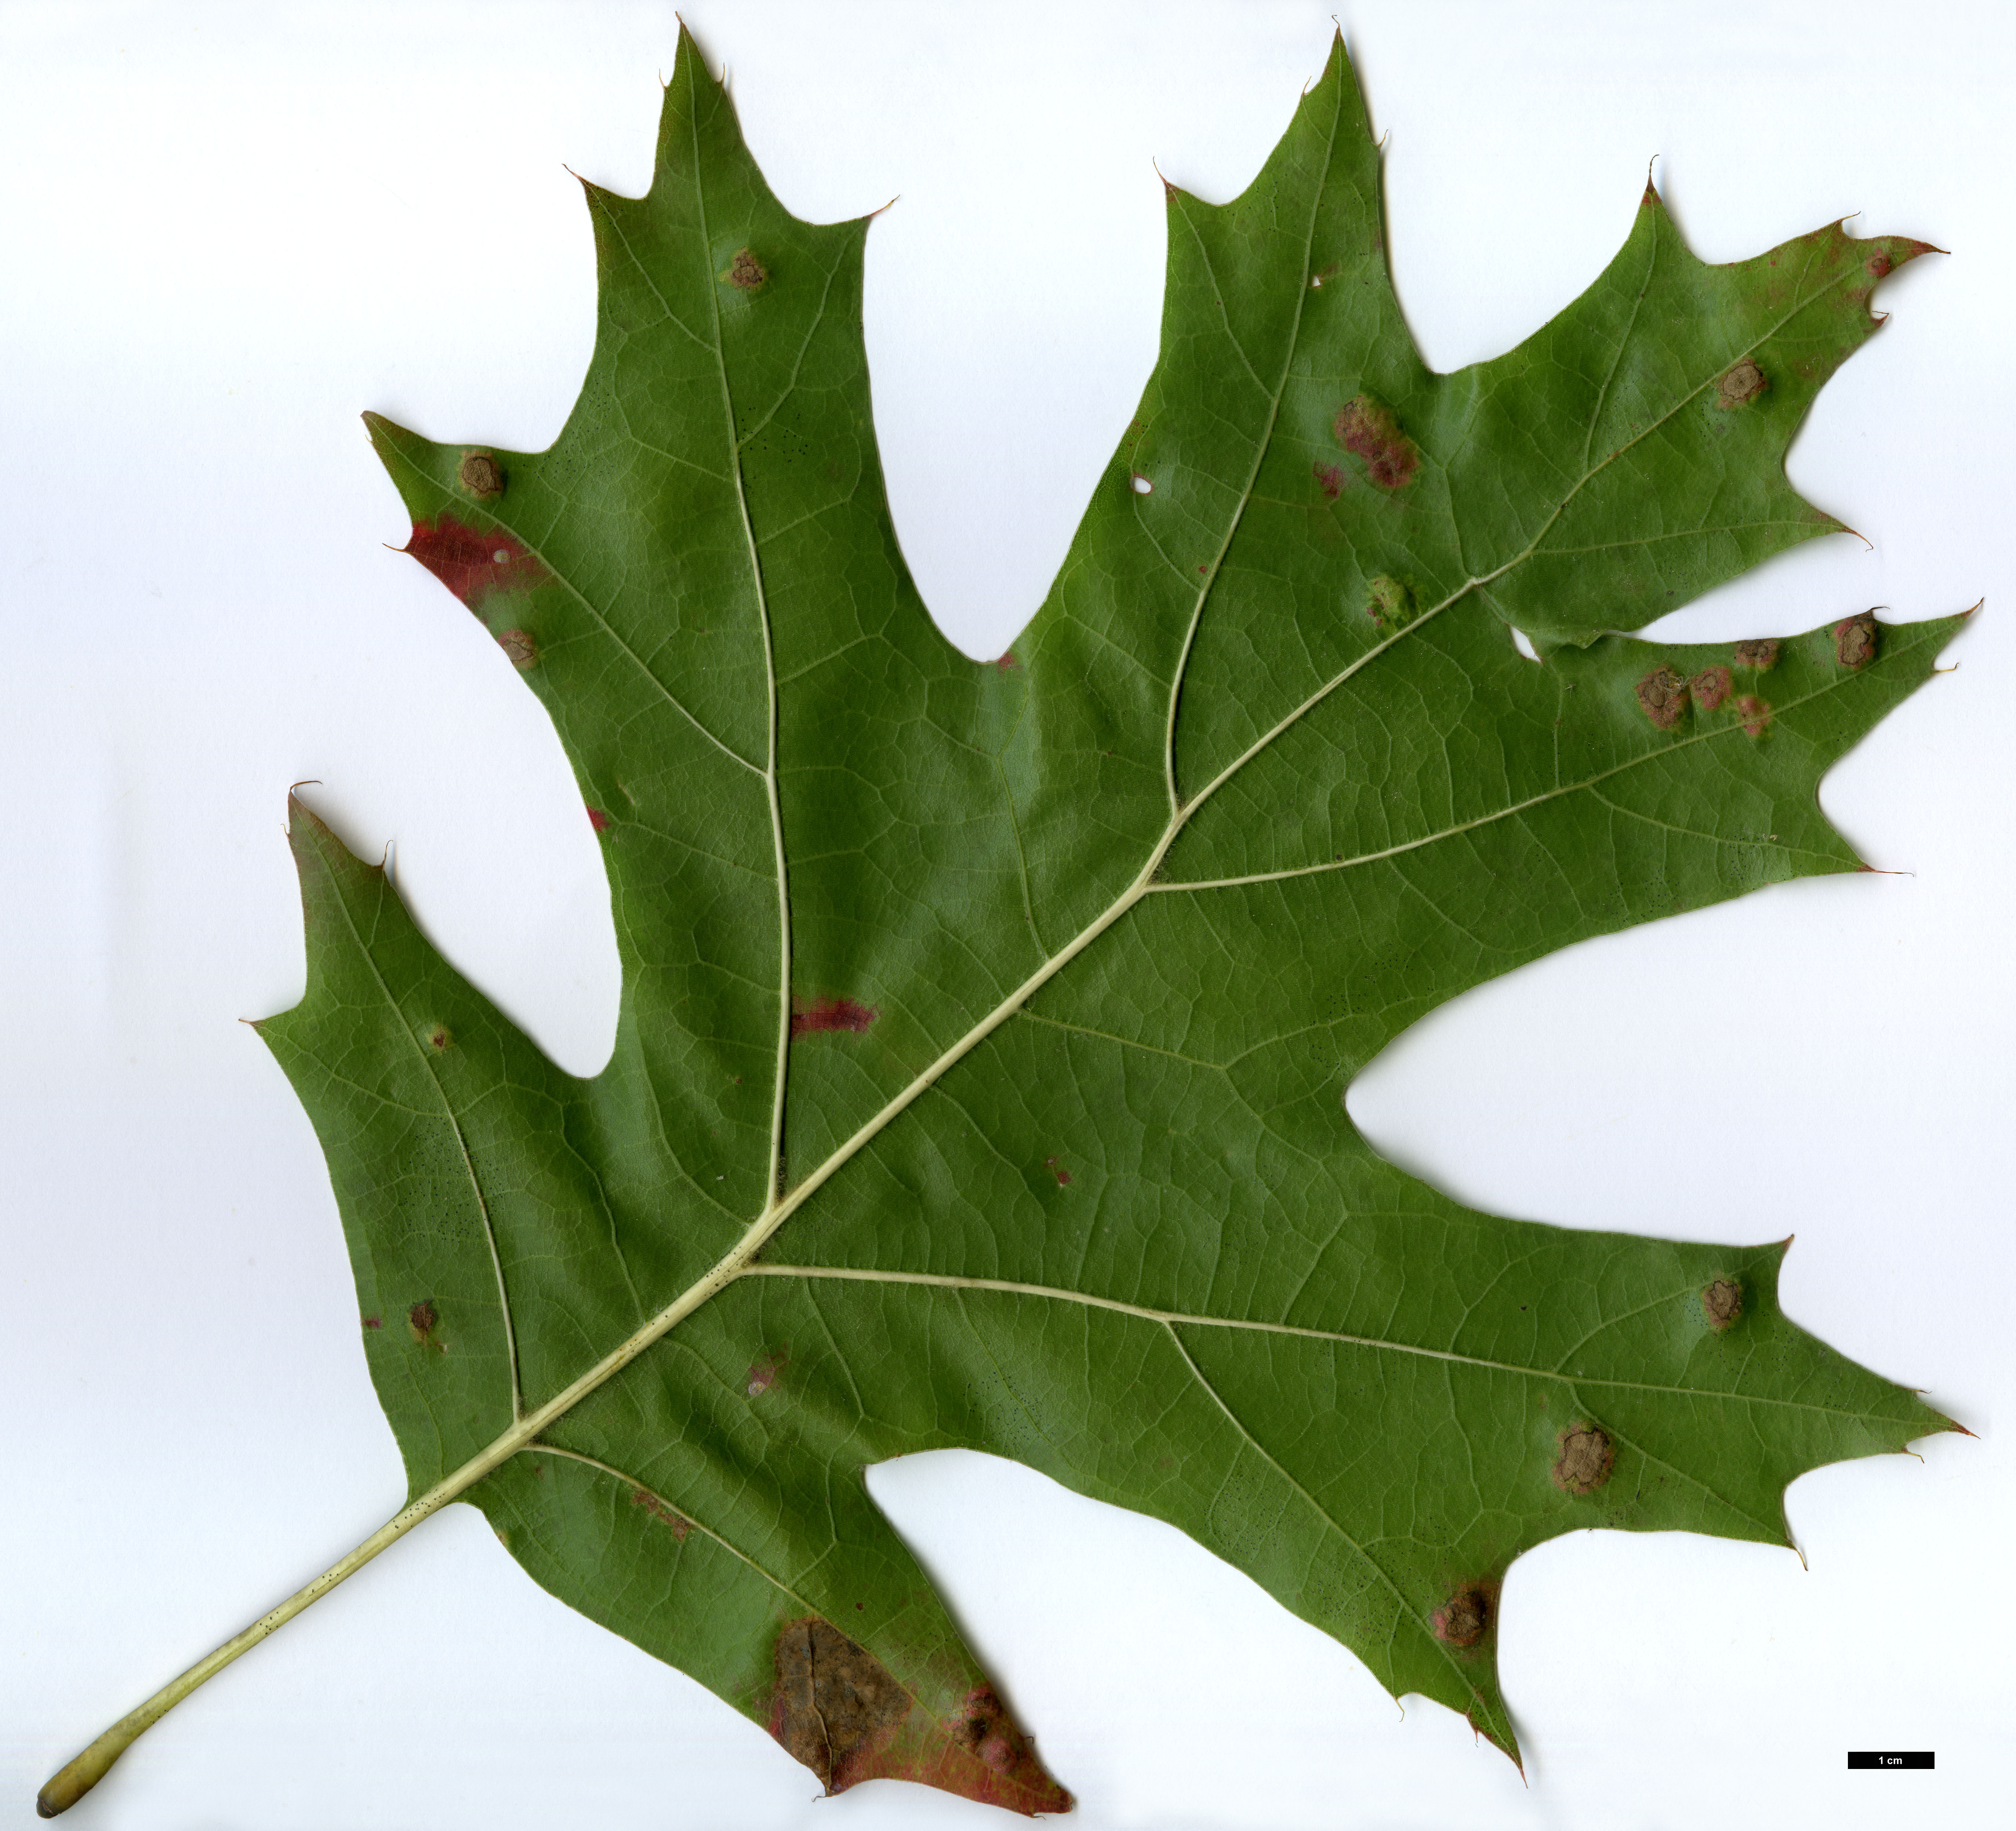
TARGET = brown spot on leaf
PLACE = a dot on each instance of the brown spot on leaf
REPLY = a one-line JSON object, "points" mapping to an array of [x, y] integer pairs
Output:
{"points": [[1876, 265], [1742, 385], [1057, 1169], [1662, 696], [831, 1014], [1330, 477], [838, 1710], [1583, 1465], [1464, 1618], [763, 1374], [679, 1523], [1855, 640], [1710, 688], [440, 1036], [1756, 714], [374, 1321], [520, 646], [424, 1320], [1762, 654], [745, 271], [479, 473], [1367, 430], [834, 1700], [1723, 1302]]}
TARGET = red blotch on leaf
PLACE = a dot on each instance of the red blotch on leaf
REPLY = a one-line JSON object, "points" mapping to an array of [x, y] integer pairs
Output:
{"points": [[474, 563], [1057, 1170], [1329, 476], [598, 820], [763, 1373], [374, 1321], [832, 1014], [1367, 430], [1006, 662]]}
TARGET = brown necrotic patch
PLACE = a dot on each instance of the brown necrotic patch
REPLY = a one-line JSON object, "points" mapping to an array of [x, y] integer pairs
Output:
{"points": [[745, 271], [1710, 688], [679, 1524], [1369, 431], [1662, 696], [1465, 1618], [1740, 385], [1584, 1458], [424, 1321], [480, 475], [1761, 654], [520, 646], [834, 1702], [1722, 1302], [440, 1036], [1855, 640]]}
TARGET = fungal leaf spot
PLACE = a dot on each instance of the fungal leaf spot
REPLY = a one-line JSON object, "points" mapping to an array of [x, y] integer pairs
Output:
{"points": [[1710, 688], [1855, 640], [1370, 432], [1662, 696], [424, 1322], [838, 1710], [1722, 1301], [1583, 1463], [1740, 385]]}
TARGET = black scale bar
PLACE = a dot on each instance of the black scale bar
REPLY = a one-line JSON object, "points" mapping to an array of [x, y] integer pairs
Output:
{"points": [[1893, 1757]]}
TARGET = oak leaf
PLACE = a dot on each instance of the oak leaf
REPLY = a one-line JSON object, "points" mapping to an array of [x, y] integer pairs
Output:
{"points": [[985, 1029]]}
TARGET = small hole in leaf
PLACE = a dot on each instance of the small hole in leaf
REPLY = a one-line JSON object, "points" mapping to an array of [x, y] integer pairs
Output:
{"points": [[1142, 486]]}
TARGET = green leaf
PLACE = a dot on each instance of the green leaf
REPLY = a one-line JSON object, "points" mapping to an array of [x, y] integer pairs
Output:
{"points": [[985, 1027]]}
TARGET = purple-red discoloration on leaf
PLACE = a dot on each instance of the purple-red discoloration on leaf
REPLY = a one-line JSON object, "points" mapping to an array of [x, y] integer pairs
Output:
{"points": [[1005, 662], [1756, 714], [1329, 476], [831, 1014], [838, 1710], [1368, 431], [763, 1374], [1057, 1170], [374, 1321], [598, 820], [1710, 688], [679, 1523], [1761, 654], [474, 563]]}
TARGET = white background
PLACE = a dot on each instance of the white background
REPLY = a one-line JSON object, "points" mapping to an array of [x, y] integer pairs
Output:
{"points": [[225, 230]]}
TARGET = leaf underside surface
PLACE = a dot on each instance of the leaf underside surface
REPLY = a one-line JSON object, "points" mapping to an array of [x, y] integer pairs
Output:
{"points": [[985, 1027]]}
